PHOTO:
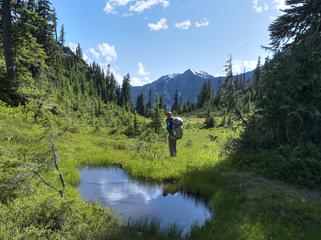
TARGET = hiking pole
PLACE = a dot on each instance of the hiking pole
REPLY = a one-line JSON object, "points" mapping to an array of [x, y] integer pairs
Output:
{"points": [[164, 143]]}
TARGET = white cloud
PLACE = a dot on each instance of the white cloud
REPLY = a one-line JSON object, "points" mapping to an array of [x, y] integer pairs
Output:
{"points": [[111, 5], [117, 75], [272, 18], [142, 5], [143, 76], [103, 54], [161, 24], [135, 81], [94, 52], [259, 7], [128, 14], [280, 4], [136, 6], [86, 58], [184, 25], [142, 71], [72, 46], [239, 66], [202, 23], [107, 51]]}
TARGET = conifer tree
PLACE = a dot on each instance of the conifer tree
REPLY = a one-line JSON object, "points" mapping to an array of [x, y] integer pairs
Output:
{"points": [[125, 93], [46, 28], [257, 78], [157, 122], [62, 39], [55, 24], [175, 106], [205, 94], [148, 109], [9, 85], [161, 102], [112, 85], [79, 51], [300, 21], [140, 108], [210, 120]]}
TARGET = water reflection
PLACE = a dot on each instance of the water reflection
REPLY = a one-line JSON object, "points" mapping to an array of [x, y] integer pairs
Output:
{"points": [[130, 199]]}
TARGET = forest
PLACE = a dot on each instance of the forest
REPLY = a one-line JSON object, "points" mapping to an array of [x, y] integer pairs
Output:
{"points": [[251, 149]]}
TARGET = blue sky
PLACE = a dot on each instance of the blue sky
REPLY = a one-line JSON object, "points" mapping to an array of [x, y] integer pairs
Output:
{"points": [[152, 38]]}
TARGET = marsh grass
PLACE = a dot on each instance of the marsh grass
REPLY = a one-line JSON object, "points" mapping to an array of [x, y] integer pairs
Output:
{"points": [[245, 206]]}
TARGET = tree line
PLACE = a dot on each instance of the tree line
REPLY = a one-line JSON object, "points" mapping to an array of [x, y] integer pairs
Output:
{"points": [[33, 56]]}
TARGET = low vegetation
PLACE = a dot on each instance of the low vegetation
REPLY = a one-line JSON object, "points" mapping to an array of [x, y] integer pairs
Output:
{"points": [[245, 206]]}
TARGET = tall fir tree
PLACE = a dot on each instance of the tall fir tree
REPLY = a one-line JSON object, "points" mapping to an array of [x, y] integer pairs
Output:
{"points": [[140, 108], [157, 122], [46, 27], [62, 36], [148, 109], [205, 94], [79, 51], [257, 79], [8, 85], [125, 93], [176, 104]]}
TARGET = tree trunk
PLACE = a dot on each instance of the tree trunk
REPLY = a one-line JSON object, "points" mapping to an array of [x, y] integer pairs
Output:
{"points": [[9, 85]]}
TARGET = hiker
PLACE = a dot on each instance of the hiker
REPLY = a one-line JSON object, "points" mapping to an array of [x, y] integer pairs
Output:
{"points": [[174, 128], [171, 138]]}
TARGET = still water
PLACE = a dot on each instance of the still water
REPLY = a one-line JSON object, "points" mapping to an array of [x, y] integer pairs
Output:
{"points": [[136, 200]]}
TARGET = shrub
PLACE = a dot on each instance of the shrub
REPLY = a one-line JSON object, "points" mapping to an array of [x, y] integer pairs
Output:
{"points": [[293, 164], [209, 122]]}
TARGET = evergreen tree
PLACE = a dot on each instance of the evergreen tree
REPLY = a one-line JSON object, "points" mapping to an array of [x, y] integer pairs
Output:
{"points": [[112, 85], [161, 102], [125, 93], [205, 95], [157, 122], [62, 39], [176, 105], [228, 86], [54, 23], [140, 108], [8, 85], [79, 51], [289, 106], [118, 95], [257, 78], [148, 109], [300, 21], [46, 27], [210, 120]]}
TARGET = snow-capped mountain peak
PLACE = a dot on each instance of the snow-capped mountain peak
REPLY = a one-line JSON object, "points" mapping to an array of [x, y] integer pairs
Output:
{"points": [[198, 73]]}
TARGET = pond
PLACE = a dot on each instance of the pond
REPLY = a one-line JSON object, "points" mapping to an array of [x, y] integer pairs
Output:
{"points": [[136, 200]]}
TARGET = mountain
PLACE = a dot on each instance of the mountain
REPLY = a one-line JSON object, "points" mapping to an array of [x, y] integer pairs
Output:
{"points": [[188, 84]]}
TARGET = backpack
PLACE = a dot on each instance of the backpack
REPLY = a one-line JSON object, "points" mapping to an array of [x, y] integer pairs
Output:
{"points": [[178, 128]]}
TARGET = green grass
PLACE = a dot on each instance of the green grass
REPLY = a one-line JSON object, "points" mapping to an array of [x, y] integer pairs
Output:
{"points": [[246, 206]]}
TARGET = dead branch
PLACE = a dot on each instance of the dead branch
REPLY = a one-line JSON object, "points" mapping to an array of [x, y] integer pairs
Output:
{"points": [[55, 157], [48, 184]]}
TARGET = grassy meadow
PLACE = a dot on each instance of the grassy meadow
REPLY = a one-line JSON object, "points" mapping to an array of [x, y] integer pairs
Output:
{"points": [[246, 206]]}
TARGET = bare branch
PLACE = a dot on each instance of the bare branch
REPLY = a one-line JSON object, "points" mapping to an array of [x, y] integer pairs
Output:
{"points": [[55, 157], [46, 183]]}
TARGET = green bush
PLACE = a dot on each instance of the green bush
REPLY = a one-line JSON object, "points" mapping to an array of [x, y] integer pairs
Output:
{"points": [[52, 217], [294, 164], [210, 122]]}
